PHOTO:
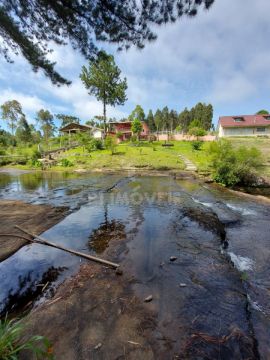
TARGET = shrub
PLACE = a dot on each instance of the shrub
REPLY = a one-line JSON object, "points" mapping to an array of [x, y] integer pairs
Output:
{"points": [[197, 131], [65, 163], [94, 144], [35, 155], [196, 145], [11, 343], [110, 143], [234, 166]]}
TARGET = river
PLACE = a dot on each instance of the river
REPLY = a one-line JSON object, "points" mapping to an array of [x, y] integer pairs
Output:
{"points": [[201, 251]]}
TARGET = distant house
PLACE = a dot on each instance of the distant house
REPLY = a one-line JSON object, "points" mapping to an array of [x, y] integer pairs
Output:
{"points": [[74, 128], [244, 125], [124, 129]]}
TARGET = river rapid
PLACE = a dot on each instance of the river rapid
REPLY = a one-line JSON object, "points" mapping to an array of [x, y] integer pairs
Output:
{"points": [[201, 251]]}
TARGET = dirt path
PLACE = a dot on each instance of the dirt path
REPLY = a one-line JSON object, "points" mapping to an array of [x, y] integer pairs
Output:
{"points": [[35, 218]]}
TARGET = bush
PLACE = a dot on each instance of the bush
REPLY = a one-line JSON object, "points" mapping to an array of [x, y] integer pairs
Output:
{"points": [[11, 343], [110, 143], [94, 144], [65, 163], [196, 145], [197, 131], [35, 155], [234, 166]]}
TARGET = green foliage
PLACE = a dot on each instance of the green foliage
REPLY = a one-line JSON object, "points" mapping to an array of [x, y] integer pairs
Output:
{"points": [[234, 166], [262, 112], [150, 121], [67, 119], [136, 127], [196, 131], [196, 145], [26, 27], [203, 114], [83, 138], [12, 342], [6, 139], [110, 143], [45, 119], [66, 163], [23, 131], [94, 144], [102, 79], [158, 120], [11, 111], [119, 134], [137, 113]]}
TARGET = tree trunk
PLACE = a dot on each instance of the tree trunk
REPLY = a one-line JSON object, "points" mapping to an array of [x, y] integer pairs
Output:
{"points": [[104, 118]]}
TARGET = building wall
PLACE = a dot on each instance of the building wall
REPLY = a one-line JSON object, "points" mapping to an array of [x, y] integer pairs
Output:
{"points": [[181, 137], [97, 134], [248, 131]]}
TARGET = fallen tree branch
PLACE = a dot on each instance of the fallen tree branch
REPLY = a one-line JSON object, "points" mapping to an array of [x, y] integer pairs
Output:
{"points": [[37, 239]]}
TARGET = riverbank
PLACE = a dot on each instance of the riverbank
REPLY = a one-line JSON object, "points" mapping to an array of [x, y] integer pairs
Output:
{"points": [[188, 282], [34, 218]]}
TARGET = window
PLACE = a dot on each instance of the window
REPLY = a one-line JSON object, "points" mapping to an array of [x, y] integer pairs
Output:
{"points": [[239, 119], [261, 129], [267, 117]]}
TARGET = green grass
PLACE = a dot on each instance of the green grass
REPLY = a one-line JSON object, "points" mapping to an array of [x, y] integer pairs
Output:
{"points": [[150, 156], [12, 342], [146, 156]]}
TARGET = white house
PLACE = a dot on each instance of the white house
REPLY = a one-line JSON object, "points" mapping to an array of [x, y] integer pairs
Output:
{"points": [[97, 133], [244, 125]]}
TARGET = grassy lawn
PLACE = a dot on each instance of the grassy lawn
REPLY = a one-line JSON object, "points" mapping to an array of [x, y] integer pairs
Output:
{"points": [[151, 156], [147, 156]]}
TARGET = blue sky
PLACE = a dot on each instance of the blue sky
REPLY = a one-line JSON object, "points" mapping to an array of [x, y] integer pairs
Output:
{"points": [[221, 57]]}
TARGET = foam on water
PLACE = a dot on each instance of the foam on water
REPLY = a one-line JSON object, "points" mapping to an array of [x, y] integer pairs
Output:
{"points": [[241, 263], [207, 204], [241, 210]]}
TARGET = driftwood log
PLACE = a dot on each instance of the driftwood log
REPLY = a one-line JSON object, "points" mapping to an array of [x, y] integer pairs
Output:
{"points": [[39, 240]]}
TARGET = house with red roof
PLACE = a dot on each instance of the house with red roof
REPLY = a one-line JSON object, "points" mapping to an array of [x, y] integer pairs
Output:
{"points": [[123, 128], [244, 125]]}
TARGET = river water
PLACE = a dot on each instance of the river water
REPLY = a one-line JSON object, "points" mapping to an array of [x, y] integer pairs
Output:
{"points": [[212, 301]]}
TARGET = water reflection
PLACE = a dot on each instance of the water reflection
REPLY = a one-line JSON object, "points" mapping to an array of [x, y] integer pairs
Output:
{"points": [[108, 230]]}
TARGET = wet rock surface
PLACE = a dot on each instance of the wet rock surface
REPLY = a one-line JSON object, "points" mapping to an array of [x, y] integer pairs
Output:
{"points": [[210, 303], [34, 218]]}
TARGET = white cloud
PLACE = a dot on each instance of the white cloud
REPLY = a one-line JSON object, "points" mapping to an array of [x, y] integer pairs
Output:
{"points": [[221, 56], [29, 103]]}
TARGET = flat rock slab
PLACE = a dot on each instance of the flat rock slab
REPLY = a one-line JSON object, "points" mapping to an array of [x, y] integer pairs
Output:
{"points": [[34, 218]]}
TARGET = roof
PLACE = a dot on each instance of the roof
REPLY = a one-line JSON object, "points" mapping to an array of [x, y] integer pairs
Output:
{"points": [[121, 122], [248, 121], [76, 126]]}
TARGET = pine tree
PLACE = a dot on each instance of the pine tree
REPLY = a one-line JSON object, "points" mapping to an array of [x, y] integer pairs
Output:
{"points": [[150, 121], [29, 27], [102, 79]]}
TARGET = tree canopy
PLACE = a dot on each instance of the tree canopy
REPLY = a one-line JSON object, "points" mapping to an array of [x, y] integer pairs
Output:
{"points": [[45, 119], [11, 111], [137, 113], [262, 112], [29, 27], [67, 119], [102, 79]]}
